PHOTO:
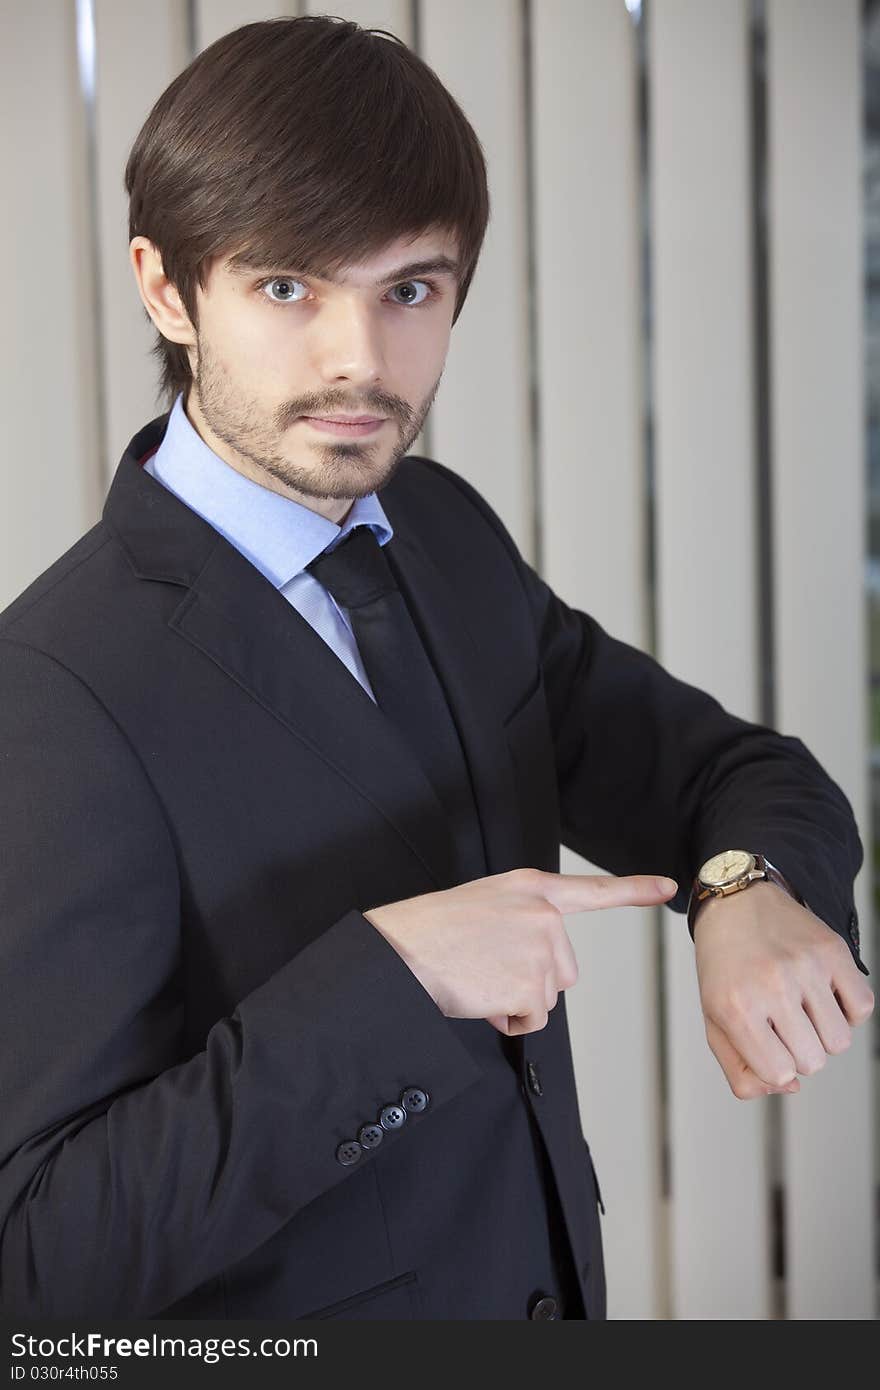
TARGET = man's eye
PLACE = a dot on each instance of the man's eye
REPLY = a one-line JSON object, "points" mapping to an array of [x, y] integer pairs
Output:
{"points": [[287, 282], [407, 284]]}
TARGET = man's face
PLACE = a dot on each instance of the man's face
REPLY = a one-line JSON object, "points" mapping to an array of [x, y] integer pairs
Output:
{"points": [[273, 347]]}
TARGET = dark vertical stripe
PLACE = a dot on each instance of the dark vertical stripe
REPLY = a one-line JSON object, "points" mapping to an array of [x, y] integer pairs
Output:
{"points": [[532, 329], [641, 16], [86, 41], [763, 520], [192, 39], [761, 362]]}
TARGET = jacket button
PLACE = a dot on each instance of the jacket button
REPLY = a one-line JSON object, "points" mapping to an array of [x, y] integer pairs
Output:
{"points": [[414, 1099], [544, 1309], [853, 928], [534, 1079], [370, 1135], [348, 1152], [392, 1116]]}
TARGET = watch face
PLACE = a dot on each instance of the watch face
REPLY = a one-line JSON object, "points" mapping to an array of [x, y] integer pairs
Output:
{"points": [[726, 866]]}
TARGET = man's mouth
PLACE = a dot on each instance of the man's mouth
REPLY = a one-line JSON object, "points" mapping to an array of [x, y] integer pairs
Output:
{"points": [[359, 425]]}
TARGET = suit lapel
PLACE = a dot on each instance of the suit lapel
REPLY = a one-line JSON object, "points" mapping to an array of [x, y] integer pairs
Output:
{"points": [[238, 619]]}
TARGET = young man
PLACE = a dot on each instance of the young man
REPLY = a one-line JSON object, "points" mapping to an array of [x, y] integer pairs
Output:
{"points": [[290, 739]]}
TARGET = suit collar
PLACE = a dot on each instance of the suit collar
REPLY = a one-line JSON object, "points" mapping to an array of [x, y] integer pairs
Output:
{"points": [[162, 537]]}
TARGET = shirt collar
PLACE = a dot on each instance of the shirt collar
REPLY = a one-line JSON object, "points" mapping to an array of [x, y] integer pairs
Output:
{"points": [[277, 534]]}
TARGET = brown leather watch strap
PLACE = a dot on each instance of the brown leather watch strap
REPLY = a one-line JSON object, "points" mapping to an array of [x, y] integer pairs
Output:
{"points": [[773, 874], [776, 876]]}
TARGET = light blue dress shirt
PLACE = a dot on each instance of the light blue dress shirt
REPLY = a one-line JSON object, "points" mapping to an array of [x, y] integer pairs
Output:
{"points": [[278, 535]]}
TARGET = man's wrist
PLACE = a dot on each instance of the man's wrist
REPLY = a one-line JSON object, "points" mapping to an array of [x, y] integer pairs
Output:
{"points": [[760, 887], [775, 879]]}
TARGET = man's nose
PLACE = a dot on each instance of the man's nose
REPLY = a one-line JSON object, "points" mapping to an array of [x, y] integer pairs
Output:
{"points": [[348, 343]]}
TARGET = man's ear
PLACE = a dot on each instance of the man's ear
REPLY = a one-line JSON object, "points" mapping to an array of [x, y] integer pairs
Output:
{"points": [[160, 297]]}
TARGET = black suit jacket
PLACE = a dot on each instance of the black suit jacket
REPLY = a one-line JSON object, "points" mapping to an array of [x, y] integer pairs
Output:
{"points": [[198, 803]]}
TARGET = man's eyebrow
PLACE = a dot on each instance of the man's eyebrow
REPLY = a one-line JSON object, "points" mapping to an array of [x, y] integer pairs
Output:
{"points": [[435, 265]]}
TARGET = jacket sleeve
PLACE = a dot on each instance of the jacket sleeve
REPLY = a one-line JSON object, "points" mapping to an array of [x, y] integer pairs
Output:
{"points": [[129, 1175], [655, 775]]}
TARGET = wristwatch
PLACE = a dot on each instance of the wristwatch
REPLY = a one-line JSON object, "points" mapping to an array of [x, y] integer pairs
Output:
{"points": [[730, 872]]}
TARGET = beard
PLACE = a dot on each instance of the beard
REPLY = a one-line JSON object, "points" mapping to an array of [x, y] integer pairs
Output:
{"points": [[323, 468]]}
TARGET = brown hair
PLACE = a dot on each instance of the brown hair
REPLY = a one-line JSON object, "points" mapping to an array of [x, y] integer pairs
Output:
{"points": [[306, 143]]}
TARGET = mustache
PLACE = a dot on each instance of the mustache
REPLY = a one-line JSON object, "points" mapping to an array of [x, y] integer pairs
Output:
{"points": [[346, 408]]}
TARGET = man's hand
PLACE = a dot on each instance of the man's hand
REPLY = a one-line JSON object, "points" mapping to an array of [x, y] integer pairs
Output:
{"points": [[496, 948], [779, 989]]}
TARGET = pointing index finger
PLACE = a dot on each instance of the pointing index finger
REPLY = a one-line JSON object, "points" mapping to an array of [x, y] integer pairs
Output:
{"points": [[588, 892]]}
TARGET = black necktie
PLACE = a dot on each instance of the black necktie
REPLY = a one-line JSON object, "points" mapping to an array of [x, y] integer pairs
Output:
{"points": [[358, 575]]}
